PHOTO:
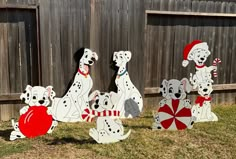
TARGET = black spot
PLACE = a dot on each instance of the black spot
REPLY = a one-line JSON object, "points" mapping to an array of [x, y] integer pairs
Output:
{"points": [[65, 105], [27, 94], [114, 132], [18, 136], [192, 122], [161, 86], [64, 101], [164, 88], [126, 84], [161, 93], [158, 127], [118, 130], [126, 81], [110, 129], [24, 91], [23, 99], [74, 84], [75, 101], [75, 90]]}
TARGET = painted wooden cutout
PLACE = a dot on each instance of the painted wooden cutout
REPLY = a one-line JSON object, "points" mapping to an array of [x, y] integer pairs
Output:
{"points": [[108, 131], [70, 107], [202, 107], [102, 105], [126, 89], [35, 119], [175, 111]]}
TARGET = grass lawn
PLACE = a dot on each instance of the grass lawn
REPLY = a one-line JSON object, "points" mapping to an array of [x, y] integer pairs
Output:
{"points": [[71, 140]]}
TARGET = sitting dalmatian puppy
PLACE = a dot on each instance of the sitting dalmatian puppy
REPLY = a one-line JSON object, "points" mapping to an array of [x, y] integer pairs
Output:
{"points": [[198, 52], [35, 97], [126, 89], [108, 130], [175, 111], [202, 107], [70, 107]]}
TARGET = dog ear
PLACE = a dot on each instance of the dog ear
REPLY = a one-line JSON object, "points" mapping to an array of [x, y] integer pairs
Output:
{"points": [[163, 88], [114, 97], [25, 96], [186, 85], [127, 55], [93, 95], [51, 93], [191, 55], [114, 55], [95, 56]]}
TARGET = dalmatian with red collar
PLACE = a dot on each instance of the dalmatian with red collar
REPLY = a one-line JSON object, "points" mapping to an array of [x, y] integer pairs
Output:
{"points": [[35, 118], [70, 107], [131, 102], [202, 107], [198, 52]]}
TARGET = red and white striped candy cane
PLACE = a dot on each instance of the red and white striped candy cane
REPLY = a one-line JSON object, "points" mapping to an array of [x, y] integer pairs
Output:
{"points": [[215, 62], [89, 115]]}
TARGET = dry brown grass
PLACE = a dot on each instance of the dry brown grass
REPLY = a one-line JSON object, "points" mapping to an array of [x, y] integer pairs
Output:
{"points": [[205, 140]]}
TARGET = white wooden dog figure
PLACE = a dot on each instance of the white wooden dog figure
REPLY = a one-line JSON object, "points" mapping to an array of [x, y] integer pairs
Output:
{"points": [[69, 107], [202, 105], [198, 52], [108, 130], [175, 111], [36, 96], [102, 104], [126, 89]]}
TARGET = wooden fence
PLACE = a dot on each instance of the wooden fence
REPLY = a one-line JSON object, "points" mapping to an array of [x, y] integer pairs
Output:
{"points": [[155, 38]]}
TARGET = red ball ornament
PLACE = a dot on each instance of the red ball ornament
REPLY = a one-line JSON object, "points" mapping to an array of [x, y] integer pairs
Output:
{"points": [[35, 122]]}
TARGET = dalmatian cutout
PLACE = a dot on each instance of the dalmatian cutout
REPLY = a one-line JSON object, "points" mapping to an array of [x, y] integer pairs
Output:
{"points": [[202, 107], [35, 118], [126, 89], [108, 131], [102, 104], [198, 52], [70, 107], [175, 111]]}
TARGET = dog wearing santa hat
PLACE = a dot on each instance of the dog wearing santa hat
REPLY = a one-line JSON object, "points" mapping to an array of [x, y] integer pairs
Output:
{"points": [[198, 52]]}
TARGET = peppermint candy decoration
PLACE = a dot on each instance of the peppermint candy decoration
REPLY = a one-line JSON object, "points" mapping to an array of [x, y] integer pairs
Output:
{"points": [[215, 62]]}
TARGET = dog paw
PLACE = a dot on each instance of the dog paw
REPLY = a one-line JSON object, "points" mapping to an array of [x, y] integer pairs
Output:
{"points": [[24, 110], [16, 135], [162, 102], [187, 103]]}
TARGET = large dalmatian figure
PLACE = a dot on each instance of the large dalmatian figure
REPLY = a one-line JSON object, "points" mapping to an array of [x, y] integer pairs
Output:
{"points": [[71, 105], [108, 130], [38, 108], [202, 107], [131, 102], [175, 111]]}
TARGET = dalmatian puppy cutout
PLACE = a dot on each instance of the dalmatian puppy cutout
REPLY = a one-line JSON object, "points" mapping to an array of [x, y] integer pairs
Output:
{"points": [[70, 107], [198, 52], [202, 107], [35, 118], [102, 104], [131, 102], [108, 130], [175, 111]]}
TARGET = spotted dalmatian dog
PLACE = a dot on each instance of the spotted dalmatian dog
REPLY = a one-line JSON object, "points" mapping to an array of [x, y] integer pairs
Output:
{"points": [[34, 96], [131, 102], [202, 107], [108, 131], [174, 90], [69, 107]]}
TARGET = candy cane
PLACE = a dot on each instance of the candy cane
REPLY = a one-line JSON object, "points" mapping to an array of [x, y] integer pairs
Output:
{"points": [[88, 114], [215, 62]]}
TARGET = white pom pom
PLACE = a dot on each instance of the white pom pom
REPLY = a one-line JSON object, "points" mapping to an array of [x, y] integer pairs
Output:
{"points": [[185, 63]]}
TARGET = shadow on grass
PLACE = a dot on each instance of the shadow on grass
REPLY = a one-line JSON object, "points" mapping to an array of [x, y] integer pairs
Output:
{"points": [[137, 126], [5, 134], [65, 140]]}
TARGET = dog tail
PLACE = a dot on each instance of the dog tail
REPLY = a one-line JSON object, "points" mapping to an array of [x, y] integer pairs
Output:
{"points": [[125, 136]]}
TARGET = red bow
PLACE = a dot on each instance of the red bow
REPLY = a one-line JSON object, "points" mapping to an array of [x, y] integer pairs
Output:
{"points": [[200, 100]]}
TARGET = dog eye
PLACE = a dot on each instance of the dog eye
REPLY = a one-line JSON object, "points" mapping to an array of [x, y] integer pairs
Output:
{"points": [[34, 97], [179, 91], [121, 57], [105, 103], [208, 84], [170, 91], [44, 98], [86, 56]]}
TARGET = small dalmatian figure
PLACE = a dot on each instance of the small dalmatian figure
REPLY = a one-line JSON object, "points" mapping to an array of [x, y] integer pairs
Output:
{"points": [[198, 52], [126, 89], [175, 111], [69, 107], [34, 96], [108, 131], [202, 107]]}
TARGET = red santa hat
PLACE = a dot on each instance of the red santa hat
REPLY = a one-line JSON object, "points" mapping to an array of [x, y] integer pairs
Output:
{"points": [[190, 47]]}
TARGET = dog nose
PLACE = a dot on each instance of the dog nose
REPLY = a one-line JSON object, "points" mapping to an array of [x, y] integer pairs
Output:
{"points": [[90, 62], [96, 106], [202, 58], [41, 101], [177, 95], [205, 90]]}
